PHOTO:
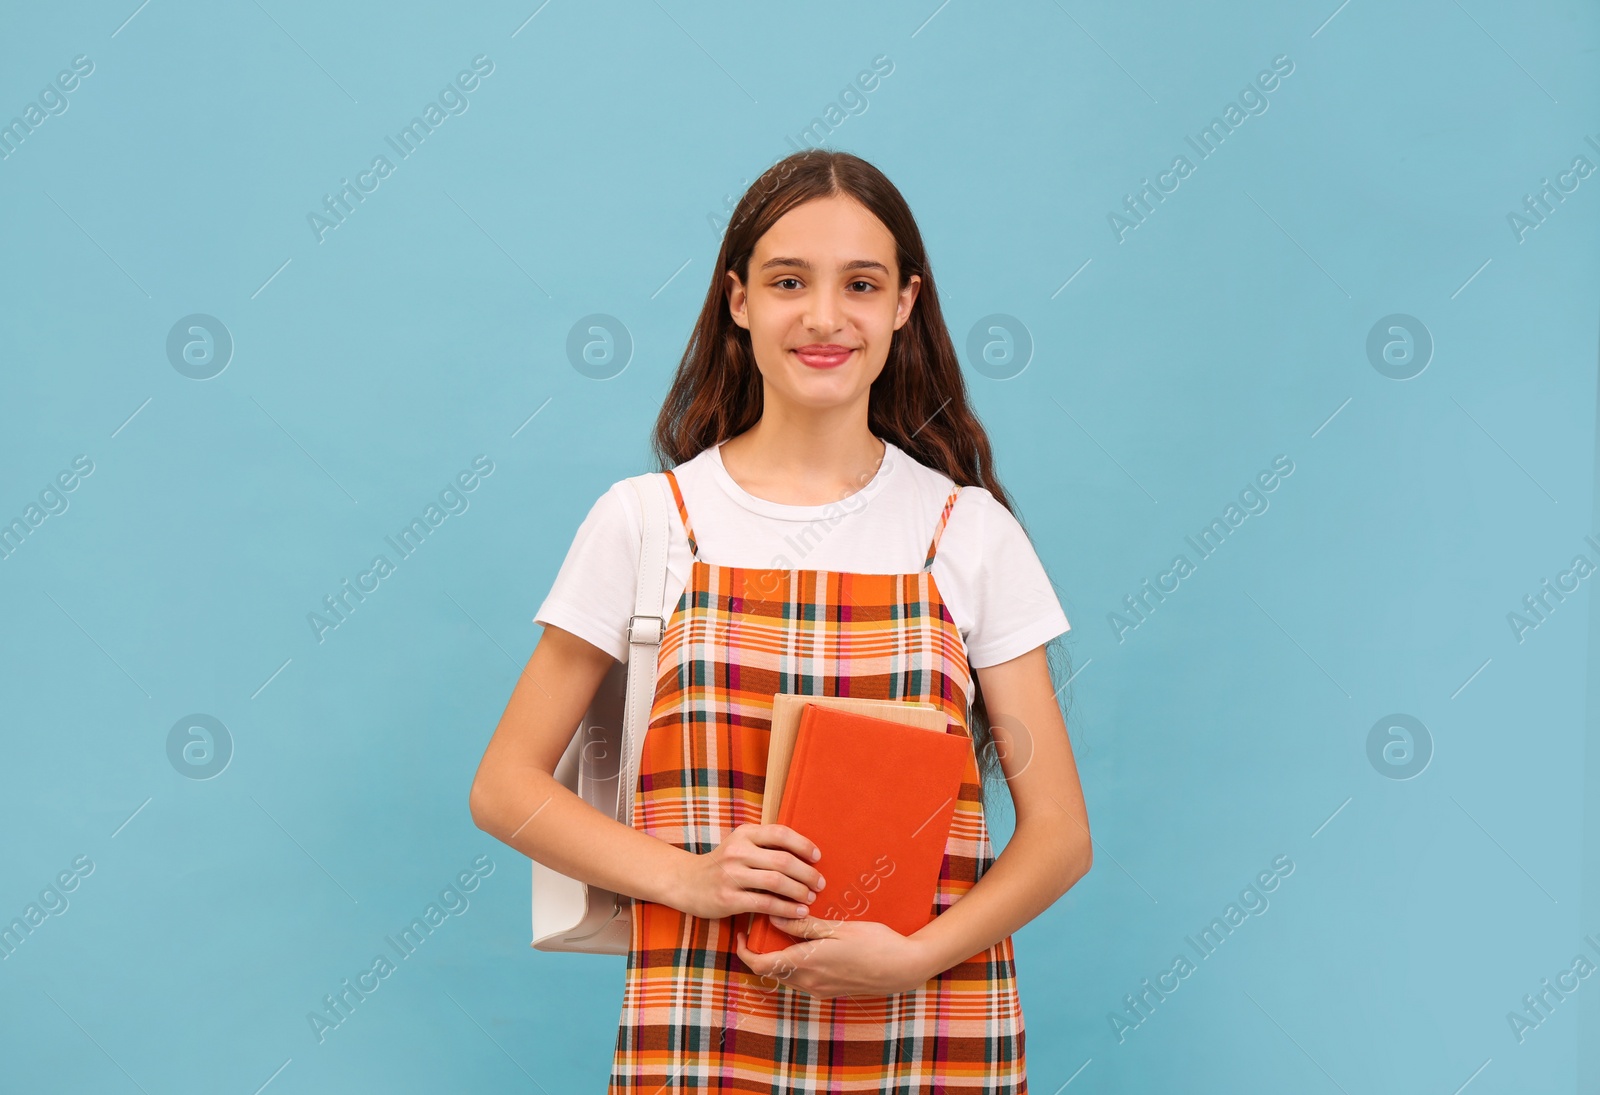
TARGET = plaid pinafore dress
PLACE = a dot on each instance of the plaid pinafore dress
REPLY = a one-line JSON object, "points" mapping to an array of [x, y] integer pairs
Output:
{"points": [[694, 1017]]}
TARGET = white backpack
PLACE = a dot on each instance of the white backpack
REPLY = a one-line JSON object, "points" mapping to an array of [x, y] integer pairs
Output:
{"points": [[569, 915]]}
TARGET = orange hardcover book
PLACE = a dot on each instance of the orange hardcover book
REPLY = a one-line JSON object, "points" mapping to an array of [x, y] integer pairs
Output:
{"points": [[787, 707], [877, 796]]}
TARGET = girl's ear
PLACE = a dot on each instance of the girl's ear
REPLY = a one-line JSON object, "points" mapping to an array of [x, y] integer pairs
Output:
{"points": [[737, 298], [908, 297]]}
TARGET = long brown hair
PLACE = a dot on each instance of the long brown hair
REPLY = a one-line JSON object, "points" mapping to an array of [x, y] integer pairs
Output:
{"points": [[918, 401]]}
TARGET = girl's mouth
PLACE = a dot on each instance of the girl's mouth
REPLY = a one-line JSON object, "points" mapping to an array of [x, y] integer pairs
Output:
{"points": [[823, 357]]}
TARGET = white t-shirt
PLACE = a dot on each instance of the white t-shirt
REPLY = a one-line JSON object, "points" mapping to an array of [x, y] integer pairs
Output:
{"points": [[991, 578]]}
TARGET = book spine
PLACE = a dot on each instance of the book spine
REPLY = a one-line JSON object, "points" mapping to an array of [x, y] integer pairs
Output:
{"points": [[797, 760], [765, 936]]}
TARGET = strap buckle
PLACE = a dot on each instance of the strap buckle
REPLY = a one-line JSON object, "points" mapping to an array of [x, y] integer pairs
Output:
{"points": [[649, 630]]}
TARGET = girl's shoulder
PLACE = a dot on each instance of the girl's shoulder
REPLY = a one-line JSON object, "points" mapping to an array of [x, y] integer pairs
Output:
{"points": [[929, 488]]}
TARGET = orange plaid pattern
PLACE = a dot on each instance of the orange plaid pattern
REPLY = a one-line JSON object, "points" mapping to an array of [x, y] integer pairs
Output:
{"points": [[694, 1017]]}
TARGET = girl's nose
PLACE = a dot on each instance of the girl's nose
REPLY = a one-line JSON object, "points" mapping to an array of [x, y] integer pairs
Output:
{"points": [[822, 312]]}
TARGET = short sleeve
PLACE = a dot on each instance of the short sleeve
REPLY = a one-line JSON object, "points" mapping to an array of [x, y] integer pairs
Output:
{"points": [[1012, 604], [593, 592]]}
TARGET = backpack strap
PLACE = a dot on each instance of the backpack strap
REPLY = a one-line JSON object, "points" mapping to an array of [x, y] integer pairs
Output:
{"points": [[645, 628]]}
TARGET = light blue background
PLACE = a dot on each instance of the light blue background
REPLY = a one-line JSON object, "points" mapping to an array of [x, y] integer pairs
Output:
{"points": [[431, 327]]}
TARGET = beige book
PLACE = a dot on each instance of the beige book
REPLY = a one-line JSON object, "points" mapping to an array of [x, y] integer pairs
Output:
{"points": [[786, 709]]}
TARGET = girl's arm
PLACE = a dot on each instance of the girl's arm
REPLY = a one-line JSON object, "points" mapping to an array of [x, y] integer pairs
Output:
{"points": [[516, 799], [1050, 849]]}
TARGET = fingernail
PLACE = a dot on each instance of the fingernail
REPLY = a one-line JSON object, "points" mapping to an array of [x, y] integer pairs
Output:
{"points": [[800, 910], [816, 854], [810, 896], [821, 882]]}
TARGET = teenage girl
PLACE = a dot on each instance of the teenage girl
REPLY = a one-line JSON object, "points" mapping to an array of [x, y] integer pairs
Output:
{"points": [[840, 531]]}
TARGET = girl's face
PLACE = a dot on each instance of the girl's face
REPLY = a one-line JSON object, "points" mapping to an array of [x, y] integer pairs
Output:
{"points": [[823, 302]]}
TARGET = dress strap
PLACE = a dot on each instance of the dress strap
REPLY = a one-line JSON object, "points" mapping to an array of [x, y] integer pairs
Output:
{"points": [[944, 518], [683, 512]]}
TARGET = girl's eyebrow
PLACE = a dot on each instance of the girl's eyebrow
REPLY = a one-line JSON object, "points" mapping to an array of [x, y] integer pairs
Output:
{"points": [[855, 264]]}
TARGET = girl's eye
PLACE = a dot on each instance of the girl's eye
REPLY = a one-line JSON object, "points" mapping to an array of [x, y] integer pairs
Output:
{"points": [[868, 284], [780, 281]]}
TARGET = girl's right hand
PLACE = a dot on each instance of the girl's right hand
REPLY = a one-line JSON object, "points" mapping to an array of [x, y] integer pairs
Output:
{"points": [[745, 872]]}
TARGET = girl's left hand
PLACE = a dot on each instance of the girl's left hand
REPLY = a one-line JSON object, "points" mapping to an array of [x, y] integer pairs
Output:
{"points": [[840, 957]]}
